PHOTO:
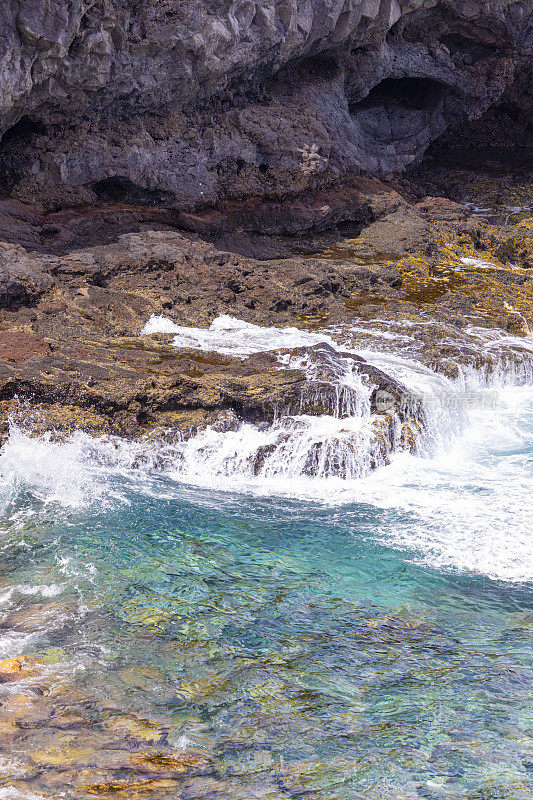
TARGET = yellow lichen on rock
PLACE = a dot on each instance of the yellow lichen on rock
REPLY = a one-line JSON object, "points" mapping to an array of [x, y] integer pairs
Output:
{"points": [[172, 763]]}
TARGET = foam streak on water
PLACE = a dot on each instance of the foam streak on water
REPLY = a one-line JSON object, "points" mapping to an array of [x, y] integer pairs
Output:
{"points": [[234, 337]]}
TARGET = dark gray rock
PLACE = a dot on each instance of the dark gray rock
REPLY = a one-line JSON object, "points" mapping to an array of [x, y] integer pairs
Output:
{"points": [[23, 279], [195, 102]]}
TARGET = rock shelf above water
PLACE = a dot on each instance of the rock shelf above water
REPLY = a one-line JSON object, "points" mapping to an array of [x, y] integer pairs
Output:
{"points": [[70, 326]]}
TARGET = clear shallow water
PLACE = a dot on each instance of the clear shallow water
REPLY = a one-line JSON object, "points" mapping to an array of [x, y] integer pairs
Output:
{"points": [[304, 638]]}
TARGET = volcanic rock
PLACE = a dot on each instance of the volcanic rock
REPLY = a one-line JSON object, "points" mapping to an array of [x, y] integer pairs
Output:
{"points": [[193, 103]]}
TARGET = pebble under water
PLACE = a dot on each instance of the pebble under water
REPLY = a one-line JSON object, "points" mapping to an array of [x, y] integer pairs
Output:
{"points": [[270, 639]]}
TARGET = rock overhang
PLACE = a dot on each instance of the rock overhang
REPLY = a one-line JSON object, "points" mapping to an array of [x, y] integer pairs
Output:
{"points": [[193, 103]]}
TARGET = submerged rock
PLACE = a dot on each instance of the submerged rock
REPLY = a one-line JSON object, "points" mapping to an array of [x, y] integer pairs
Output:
{"points": [[39, 617], [19, 668], [136, 728]]}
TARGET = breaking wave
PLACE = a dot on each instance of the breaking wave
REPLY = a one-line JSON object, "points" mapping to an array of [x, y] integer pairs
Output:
{"points": [[458, 501]]}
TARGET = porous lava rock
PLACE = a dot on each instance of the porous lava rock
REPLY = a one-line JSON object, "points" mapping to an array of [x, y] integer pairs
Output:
{"points": [[197, 102]]}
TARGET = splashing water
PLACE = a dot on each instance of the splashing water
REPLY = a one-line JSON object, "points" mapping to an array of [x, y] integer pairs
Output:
{"points": [[299, 627], [461, 495], [234, 336]]}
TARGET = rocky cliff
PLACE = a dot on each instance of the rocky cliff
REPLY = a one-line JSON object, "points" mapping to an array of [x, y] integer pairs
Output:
{"points": [[196, 101]]}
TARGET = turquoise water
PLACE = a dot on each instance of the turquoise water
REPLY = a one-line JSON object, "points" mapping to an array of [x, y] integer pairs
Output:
{"points": [[278, 636], [285, 640]]}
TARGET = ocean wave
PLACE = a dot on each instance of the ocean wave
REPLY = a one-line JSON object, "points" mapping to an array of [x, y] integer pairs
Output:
{"points": [[461, 502]]}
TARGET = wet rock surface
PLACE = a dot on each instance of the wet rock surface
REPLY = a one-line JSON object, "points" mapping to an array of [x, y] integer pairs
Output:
{"points": [[70, 345]]}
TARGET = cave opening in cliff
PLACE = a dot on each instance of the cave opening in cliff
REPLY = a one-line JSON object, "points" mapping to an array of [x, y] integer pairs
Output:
{"points": [[24, 129], [467, 49], [410, 93], [13, 150], [117, 189], [323, 65]]}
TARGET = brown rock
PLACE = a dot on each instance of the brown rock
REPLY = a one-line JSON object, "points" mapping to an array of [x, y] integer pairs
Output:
{"points": [[70, 346], [135, 789], [172, 764], [19, 346]]}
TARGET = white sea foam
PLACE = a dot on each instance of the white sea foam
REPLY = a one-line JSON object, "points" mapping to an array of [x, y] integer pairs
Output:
{"points": [[72, 473], [16, 643], [46, 591], [294, 449], [234, 337], [461, 504], [467, 508], [479, 263]]}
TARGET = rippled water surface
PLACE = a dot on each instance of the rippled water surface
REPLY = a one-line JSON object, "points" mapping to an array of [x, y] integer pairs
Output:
{"points": [[359, 641]]}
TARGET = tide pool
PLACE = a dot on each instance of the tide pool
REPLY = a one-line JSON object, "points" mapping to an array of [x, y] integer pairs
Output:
{"points": [[177, 622], [371, 641]]}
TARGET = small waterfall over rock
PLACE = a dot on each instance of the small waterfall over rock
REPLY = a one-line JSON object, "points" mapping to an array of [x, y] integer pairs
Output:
{"points": [[347, 415], [352, 413], [348, 420]]}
